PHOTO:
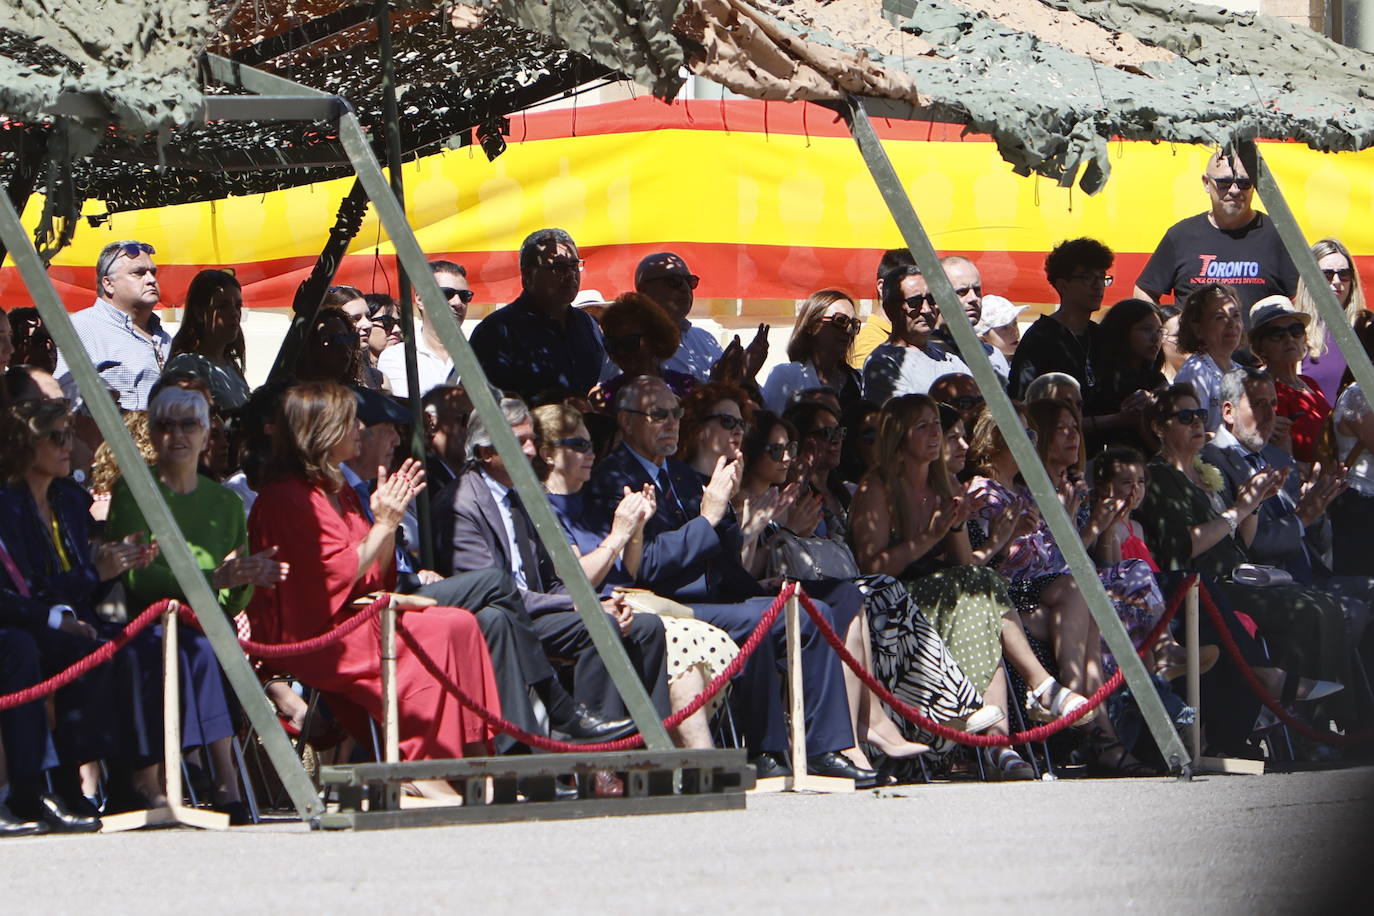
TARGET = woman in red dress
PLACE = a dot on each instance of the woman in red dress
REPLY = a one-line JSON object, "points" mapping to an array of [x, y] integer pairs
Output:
{"points": [[337, 557]]}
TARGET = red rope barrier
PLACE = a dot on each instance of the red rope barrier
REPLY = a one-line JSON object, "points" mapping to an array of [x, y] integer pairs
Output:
{"points": [[305, 646], [1039, 733], [1258, 689], [98, 657], [541, 742]]}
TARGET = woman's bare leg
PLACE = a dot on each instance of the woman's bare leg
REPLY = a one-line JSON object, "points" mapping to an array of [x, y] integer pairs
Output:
{"points": [[695, 730], [226, 788]]}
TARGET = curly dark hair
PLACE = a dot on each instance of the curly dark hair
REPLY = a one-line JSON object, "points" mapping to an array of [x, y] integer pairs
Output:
{"points": [[635, 313], [1068, 256]]}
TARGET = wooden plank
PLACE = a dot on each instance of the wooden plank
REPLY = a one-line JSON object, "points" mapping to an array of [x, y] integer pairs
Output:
{"points": [[1233, 765], [724, 759], [532, 811]]}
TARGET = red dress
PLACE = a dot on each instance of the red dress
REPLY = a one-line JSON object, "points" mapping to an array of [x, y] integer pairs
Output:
{"points": [[321, 546], [1308, 411]]}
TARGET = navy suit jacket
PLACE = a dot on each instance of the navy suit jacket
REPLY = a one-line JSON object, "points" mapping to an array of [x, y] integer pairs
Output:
{"points": [[469, 534], [685, 557], [31, 547]]}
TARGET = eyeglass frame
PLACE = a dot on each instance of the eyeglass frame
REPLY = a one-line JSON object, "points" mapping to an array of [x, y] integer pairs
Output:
{"points": [[658, 414]]}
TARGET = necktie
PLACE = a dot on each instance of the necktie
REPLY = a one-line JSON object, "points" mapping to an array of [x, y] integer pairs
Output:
{"points": [[524, 542], [665, 488]]}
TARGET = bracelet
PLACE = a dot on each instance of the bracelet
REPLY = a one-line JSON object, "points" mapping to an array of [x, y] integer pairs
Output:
{"points": [[1230, 522]]}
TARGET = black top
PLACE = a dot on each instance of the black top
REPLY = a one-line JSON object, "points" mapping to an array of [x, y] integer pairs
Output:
{"points": [[1049, 346], [1194, 253], [1172, 505], [524, 351]]}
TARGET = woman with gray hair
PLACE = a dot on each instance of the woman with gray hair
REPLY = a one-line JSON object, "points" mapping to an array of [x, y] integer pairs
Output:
{"points": [[211, 519]]}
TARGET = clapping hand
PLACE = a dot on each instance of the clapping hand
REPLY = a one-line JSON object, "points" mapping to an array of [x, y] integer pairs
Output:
{"points": [[258, 569], [396, 492], [724, 484], [807, 507], [116, 557], [759, 511]]}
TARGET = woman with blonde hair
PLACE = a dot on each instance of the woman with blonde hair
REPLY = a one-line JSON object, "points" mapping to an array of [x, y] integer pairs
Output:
{"points": [[818, 352], [1325, 363]]}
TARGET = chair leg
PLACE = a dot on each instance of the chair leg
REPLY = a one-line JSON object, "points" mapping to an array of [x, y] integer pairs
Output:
{"points": [[1029, 746], [187, 784], [249, 796]]}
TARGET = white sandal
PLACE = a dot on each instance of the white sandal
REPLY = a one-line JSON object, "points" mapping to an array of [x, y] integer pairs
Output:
{"points": [[1063, 702], [984, 719]]}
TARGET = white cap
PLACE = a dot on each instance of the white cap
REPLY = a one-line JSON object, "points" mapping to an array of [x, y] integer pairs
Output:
{"points": [[589, 297], [998, 312]]}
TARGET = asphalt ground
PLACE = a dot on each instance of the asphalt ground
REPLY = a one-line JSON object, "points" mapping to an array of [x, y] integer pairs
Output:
{"points": [[1279, 843]]}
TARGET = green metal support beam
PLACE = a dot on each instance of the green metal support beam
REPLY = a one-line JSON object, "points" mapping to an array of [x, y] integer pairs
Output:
{"points": [[1046, 497], [360, 152], [164, 527]]}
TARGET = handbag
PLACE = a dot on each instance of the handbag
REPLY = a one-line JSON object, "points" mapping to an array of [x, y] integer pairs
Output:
{"points": [[791, 556], [646, 602]]}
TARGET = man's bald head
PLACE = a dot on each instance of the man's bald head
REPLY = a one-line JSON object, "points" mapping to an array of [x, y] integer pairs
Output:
{"points": [[665, 278]]}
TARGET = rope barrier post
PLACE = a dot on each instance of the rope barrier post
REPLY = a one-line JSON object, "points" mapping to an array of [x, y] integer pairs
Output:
{"points": [[1190, 624], [1046, 497], [189, 577], [391, 709], [801, 780]]}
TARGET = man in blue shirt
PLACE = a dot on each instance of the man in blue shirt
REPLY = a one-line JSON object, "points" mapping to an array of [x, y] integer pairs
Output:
{"points": [[120, 333], [540, 342]]}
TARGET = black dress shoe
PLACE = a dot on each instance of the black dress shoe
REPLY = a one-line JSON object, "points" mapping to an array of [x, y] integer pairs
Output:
{"points": [[586, 725], [14, 826], [841, 767], [770, 765], [60, 818]]}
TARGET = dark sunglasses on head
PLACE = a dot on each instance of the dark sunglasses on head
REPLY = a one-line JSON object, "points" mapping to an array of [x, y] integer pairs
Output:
{"points": [[1276, 332], [171, 424], [1188, 417], [966, 401], [657, 414], [1344, 273], [463, 294], [134, 249], [623, 343], [728, 421], [842, 323], [579, 444], [61, 438], [678, 281], [1240, 184], [916, 303], [778, 450], [828, 433]]}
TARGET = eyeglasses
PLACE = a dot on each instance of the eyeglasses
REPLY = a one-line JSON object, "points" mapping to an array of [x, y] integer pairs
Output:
{"points": [[1295, 330], [386, 322], [134, 249], [778, 450], [623, 343], [658, 414], [828, 433], [916, 303], [966, 402], [170, 424], [463, 294], [562, 265], [1094, 279], [1344, 274], [1188, 417], [676, 281], [842, 323], [60, 438], [965, 290], [729, 422], [1225, 184], [579, 444]]}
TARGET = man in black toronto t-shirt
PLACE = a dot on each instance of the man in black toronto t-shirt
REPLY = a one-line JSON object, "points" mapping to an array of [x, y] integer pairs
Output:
{"points": [[1231, 244]]}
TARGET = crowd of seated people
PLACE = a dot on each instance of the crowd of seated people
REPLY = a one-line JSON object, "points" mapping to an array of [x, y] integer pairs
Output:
{"points": [[1223, 436]]}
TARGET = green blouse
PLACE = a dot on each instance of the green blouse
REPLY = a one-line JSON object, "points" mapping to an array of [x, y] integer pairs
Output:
{"points": [[1172, 505], [212, 521]]}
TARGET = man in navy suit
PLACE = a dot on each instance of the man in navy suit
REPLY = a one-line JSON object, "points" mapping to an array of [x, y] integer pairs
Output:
{"points": [[692, 554], [480, 523]]}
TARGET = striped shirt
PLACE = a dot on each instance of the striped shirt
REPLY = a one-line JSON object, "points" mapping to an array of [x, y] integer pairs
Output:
{"points": [[128, 361]]}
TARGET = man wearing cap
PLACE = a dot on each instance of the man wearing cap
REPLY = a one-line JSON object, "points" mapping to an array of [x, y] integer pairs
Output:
{"points": [[540, 342], [665, 278], [431, 357], [1232, 243], [120, 333]]}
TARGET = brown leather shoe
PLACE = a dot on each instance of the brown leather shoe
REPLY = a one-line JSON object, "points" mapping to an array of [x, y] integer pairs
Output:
{"points": [[606, 784]]}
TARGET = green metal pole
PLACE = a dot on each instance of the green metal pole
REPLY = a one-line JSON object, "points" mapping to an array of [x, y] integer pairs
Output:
{"points": [[1293, 240], [164, 527], [1046, 497]]}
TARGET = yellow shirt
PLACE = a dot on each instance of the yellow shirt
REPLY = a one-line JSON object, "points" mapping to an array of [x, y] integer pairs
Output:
{"points": [[876, 330]]}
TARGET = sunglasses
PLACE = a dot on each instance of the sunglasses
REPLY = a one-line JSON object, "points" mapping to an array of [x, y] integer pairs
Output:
{"points": [[386, 322], [171, 424], [966, 401], [563, 265], [842, 323], [464, 294], [623, 343], [579, 444], [916, 303], [677, 281], [1094, 279], [828, 433], [778, 450], [1345, 273], [134, 249], [658, 414], [1240, 184], [1188, 417], [728, 422], [1295, 330], [60, 438]]}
